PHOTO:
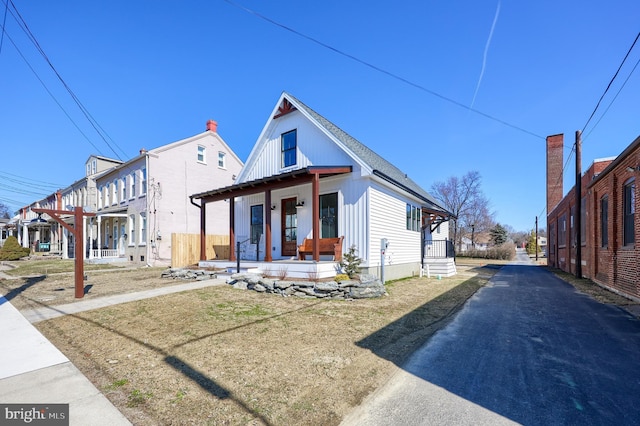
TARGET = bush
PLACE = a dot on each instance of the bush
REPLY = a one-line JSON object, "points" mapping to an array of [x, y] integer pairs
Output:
{"points": [[12, 250], [506, 251], [350, 262]]}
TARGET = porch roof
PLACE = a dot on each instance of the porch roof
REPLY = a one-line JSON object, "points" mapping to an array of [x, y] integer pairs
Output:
{"points": [[283, 180]]}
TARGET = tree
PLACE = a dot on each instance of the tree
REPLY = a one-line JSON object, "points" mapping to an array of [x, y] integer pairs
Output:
{"points": [[4, 211], [499, 235], [531, 244], [464, 198]]}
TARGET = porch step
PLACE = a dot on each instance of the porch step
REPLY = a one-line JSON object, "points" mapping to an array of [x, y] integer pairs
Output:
{"points": [[442, 267]]}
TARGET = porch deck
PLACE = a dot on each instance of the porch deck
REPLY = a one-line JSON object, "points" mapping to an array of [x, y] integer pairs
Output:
{"points": [[288, 268]]}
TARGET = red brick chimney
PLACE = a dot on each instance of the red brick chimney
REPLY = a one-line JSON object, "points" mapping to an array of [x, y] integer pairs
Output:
{"points": [[555, 153], [212, 126]]}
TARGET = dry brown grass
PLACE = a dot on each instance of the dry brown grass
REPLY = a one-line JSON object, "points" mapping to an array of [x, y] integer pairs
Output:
{"points": [[225, 356]]}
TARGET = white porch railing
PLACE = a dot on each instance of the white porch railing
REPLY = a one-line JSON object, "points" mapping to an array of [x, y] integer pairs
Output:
{"points": [[105, 253]]}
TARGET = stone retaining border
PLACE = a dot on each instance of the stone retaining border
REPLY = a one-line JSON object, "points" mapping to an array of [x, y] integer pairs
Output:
{"points": [[366, 286]]}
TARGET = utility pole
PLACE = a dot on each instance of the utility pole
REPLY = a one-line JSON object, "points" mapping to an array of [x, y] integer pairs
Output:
{"points": [[578, 219], [536, 238]]}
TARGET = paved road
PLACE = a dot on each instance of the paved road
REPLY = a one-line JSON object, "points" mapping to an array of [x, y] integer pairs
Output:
{"points": [[525, 349]]}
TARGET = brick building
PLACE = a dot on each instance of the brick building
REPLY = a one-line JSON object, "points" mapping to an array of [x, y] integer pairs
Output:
{"points": [[609, 227]]}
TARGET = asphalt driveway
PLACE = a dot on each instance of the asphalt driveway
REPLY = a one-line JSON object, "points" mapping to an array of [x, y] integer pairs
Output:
{"points": [[528, 349]]}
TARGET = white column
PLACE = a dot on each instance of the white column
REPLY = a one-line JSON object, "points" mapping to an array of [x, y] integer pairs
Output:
{"points": [[99, 237], [91, 239], [65, 244], [25, 236]]}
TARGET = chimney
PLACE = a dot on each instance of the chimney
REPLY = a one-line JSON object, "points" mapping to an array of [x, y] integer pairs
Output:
{"points": [[212, 126], [555, 145], [143, 151]]}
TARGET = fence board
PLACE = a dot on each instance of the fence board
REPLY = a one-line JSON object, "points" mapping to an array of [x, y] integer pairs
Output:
{"points": [[185, 248]]}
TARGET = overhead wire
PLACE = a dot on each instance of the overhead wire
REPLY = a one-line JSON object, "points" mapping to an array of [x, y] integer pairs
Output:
{"points": [[611, 82], [92, 121], [381, 70]]}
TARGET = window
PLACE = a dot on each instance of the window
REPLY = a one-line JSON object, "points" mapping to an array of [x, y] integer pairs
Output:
{"points": [[132, 187], [256, 223], [123, 189], [143, 228], [132, 229], [289, 144], [604, 221], [414, 218], [202, 158], [573, 229], [114, 193], [329, 215], [628, 211], [562, 230], [107, 192], [143, 181], [222, 160]]}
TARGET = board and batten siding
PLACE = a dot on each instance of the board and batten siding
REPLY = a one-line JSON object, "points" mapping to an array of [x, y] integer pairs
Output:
{"points": [[313, 148], [388, 220]]}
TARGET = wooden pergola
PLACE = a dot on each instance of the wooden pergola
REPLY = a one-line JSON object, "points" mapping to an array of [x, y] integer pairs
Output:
{"points": [[311, 174]]}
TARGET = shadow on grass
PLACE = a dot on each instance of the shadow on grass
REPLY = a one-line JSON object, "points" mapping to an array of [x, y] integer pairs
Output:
{"points": [[28, 283], [184, 368]]}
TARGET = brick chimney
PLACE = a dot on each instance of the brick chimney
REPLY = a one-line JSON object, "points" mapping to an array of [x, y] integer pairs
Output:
{"points": [[555, 154], [212, 126]]}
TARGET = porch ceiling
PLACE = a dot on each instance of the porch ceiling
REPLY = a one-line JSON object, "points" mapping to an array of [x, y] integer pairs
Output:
{"points": [[293, 178]]}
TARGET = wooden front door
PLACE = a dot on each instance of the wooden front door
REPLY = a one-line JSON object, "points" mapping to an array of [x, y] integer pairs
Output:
{"points": [[289, 227]]}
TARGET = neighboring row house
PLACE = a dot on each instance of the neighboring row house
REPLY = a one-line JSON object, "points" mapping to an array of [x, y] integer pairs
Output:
{"points": [[609, 227], [139, 203]]}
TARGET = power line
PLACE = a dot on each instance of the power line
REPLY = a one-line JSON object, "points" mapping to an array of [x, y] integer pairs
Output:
{"points": [[23, 25], [381, 70], [611, 82], [613, 100]]}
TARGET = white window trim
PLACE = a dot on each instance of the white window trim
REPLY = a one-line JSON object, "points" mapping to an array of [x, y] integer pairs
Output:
{"points": [[204, 154]]}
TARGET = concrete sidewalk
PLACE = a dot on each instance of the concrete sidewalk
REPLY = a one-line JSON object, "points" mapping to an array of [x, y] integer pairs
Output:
{"points": [[34, 371]]}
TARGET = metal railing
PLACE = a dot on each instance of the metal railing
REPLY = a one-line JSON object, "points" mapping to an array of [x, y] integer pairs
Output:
{"points": [[439, 249]]}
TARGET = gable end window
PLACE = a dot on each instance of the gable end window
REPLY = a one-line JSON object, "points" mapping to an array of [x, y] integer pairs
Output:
{"points": [[289, 143], [202, 158], [222, 160], [628, 212]]}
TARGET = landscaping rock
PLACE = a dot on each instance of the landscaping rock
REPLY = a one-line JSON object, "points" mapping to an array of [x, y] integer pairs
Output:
{"points": [[369, 287], [188, 274]]}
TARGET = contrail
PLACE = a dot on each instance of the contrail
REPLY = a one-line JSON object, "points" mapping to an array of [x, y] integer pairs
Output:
{"points": [[486, 50]]}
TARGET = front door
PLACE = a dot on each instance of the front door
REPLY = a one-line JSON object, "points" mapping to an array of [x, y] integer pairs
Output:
{"points": [[289, 227]]}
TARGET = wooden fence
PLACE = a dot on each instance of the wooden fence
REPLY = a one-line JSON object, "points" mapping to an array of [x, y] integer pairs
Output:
{"points": [[185, 249]]}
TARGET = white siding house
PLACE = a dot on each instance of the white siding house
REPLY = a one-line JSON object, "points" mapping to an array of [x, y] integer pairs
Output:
{"points": [[307, 179], [143, 201]]}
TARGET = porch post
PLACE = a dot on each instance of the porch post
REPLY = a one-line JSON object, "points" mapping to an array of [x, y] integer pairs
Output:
{"points": [[232, 224], [99, 237], [84, 228], [315, 215], [91, 239], [267, 231], [203, 230]]}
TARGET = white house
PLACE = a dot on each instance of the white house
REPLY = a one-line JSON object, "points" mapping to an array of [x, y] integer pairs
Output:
{"points": [[141, 202], [307, 179]]}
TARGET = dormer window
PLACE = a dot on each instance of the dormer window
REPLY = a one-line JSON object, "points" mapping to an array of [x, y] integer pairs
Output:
{"points": [[289, 142]]}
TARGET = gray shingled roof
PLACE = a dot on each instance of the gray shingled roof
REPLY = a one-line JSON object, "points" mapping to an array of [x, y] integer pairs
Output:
{"points": [[379, 165]]}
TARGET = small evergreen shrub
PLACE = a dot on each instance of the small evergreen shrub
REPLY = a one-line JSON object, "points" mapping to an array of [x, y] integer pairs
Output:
{"points": [[350, 262], [12, 250]]}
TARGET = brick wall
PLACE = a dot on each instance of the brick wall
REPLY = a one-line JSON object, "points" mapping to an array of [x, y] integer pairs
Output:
{"points": [[614, 264]]}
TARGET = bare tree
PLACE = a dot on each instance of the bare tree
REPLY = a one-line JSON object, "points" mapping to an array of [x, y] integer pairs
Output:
{"points": [[4, 211], [464, 198]]}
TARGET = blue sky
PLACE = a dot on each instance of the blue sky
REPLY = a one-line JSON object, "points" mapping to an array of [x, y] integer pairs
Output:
{"points": [[151, 73]]}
